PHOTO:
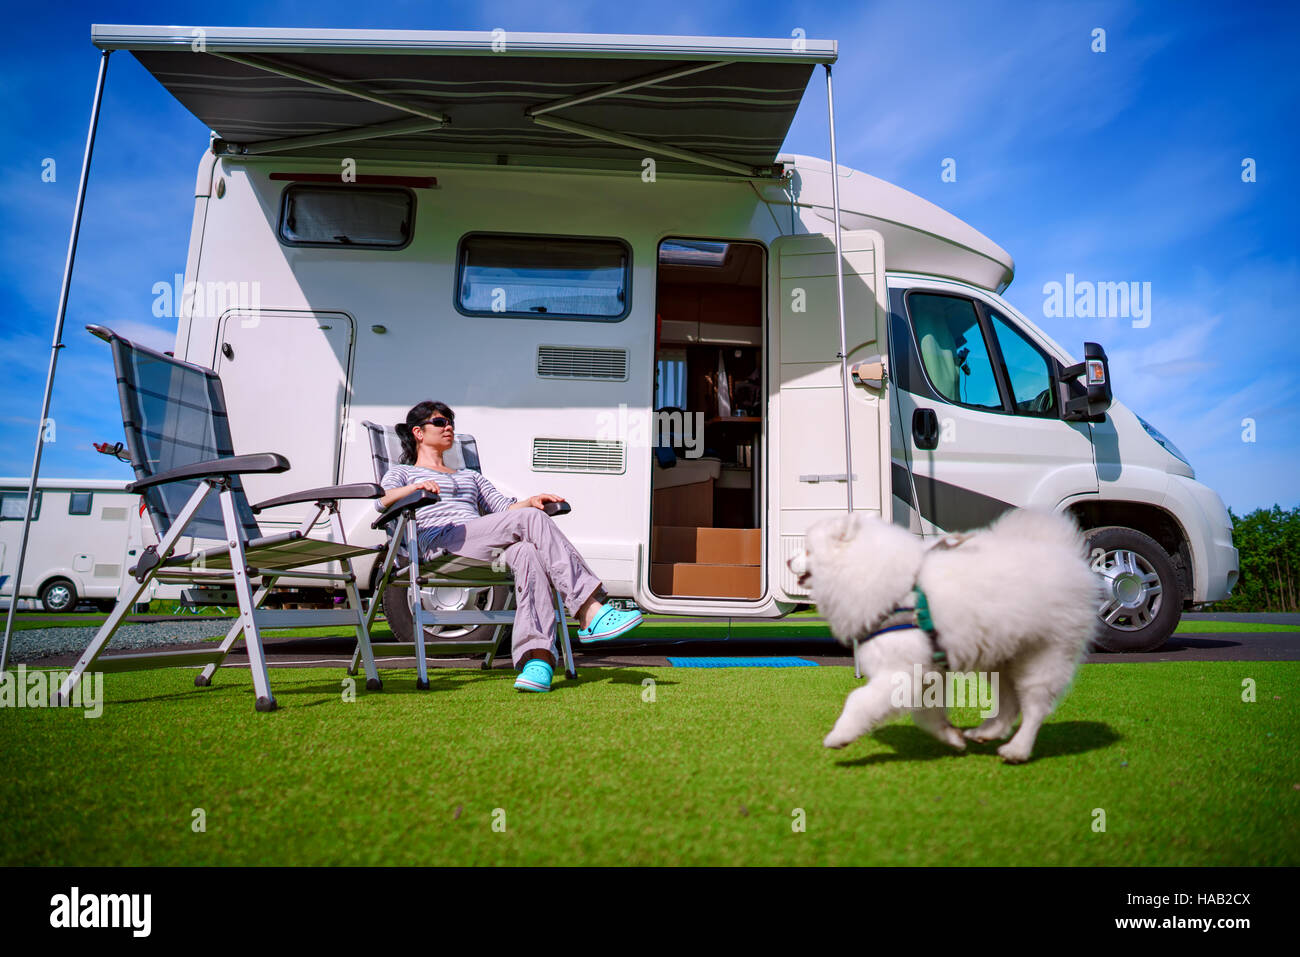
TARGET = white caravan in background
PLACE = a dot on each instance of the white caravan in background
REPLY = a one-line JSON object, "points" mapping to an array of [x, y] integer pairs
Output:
{"points": [[84, 535], [566, 305]]}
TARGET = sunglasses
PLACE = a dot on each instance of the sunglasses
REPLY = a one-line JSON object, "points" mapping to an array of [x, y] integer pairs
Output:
{"points": [[438, 422]]}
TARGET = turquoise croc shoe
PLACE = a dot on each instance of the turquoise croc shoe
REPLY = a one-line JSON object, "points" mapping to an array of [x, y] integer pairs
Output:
{"points": [[609, 623], [536, 676]]}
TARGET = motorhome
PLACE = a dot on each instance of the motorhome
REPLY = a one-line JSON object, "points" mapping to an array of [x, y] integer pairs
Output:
{"points": [[84, 536], [592, 249]]}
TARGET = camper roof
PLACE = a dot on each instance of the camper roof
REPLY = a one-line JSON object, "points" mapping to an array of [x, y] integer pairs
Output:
{"points": [[919, 236], [534, 98]]}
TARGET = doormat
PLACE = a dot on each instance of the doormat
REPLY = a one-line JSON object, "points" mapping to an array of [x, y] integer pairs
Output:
{"points": [[741, 663]]}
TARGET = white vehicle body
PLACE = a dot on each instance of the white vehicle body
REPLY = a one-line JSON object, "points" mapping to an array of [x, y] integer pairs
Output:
{"points": [[307, 363], [312, 338], [84, 533]]}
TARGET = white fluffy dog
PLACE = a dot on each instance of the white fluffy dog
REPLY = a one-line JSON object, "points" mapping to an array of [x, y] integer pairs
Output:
{"points": [[1015, 602]]}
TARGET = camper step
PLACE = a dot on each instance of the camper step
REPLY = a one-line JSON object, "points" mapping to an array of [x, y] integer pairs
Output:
{"points": [[706, 580], [711, 546]]}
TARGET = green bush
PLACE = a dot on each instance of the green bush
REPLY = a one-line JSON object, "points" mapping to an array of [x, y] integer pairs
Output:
{"points": [[1268, 542]]}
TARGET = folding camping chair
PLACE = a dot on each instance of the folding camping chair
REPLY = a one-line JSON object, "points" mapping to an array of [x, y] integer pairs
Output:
{"points": [[443, 570], [174, 414]]}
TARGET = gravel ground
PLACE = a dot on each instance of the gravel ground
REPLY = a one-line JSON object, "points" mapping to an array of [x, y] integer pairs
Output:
{"points": [[42, 642]]}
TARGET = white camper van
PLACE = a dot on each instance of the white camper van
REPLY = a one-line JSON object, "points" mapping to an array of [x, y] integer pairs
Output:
{"points": [[570, 285], [84, 533]]}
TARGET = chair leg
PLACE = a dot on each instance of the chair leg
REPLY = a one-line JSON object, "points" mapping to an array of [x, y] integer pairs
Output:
{"points": [[252, 639], [417, 610], [562, 633], [101, 639], [354, 601]]}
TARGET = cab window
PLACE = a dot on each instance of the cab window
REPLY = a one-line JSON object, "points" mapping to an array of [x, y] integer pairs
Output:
{"points": [[1027, 369], [953, 351]]}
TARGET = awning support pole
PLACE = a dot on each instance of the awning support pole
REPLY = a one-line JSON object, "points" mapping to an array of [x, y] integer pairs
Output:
{"points": [[700, 159], [315, 79], [839, 290], [624, 87], [396, 128], [54, 352]]}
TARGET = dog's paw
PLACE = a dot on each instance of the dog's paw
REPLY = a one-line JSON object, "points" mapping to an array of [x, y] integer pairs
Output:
{"points": [[980, 735], [1013, 755], [836, 739], [953, 737]]}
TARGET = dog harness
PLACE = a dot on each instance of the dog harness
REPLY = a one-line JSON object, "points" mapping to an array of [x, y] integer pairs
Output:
{"points": [[917, 614]]}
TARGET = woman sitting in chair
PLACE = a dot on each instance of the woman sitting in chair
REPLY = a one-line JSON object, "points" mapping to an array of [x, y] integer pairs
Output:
{"points": [[473, 519]]}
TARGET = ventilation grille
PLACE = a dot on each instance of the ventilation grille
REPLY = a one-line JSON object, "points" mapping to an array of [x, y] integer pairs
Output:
{"points": [[572, 362], [113, 515], [578, 455], [791, 545], [108, 571]]}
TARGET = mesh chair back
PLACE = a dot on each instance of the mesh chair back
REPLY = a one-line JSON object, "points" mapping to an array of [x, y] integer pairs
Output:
{"points": [[386, 450], [174, 414]]}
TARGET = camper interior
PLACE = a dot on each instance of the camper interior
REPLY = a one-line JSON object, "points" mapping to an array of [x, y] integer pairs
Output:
{"points": [[706, 515]]}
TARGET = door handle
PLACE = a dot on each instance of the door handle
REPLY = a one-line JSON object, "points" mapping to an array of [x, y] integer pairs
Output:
{"points": [[925, 428]]}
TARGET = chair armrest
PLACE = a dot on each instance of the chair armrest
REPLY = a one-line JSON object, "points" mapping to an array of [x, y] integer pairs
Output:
{"points": [[331, 493], [410, 502], [557, 508], [232, 465]]}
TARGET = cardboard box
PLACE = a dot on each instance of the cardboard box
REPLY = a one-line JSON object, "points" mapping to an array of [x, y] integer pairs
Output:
{"points": [[706, 581], [684, 504], [710, 546]]}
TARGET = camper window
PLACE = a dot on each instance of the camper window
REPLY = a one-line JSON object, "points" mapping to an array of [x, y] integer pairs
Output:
{"points": [[11, 505], [79, 503], [346, 216], [544, 277]]}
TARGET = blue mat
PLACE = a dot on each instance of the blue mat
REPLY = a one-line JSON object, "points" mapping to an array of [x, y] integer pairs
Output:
{"points": [[741, 663]]}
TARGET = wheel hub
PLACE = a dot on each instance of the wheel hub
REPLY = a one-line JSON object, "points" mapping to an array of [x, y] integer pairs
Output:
{"points": [[1132, 590]]}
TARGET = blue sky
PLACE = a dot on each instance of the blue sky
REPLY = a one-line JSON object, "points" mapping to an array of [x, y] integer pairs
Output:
{"points": [[1117, 166]]}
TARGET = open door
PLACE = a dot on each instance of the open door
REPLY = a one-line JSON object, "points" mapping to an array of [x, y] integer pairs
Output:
{"points": [[806, 406]]}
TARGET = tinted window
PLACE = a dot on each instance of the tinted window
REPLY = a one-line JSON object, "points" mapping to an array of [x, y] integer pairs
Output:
{"points": [[346, 216], [953, 350], [540, 277], [79, 503], [1027, 369], [11, 506]]}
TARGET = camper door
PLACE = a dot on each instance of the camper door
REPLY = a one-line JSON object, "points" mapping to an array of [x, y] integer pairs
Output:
{"points": [[808, 474], [285, 375]]}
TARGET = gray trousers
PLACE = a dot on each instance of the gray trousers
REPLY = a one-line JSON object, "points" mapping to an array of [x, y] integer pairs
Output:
{"points": [[538, 555]]}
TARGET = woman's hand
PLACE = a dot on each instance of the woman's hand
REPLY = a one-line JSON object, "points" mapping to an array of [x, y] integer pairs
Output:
{"points": [[393, 495], [538, 501]]}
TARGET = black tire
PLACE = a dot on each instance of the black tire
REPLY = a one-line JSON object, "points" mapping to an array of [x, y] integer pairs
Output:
{"points": [[59, 595], [1137, 612], [398, 614]]}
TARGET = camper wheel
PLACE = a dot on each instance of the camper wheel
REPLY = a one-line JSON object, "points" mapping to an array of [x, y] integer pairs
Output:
{"points": [[398, 613], [1142, 599], [59, 595]]}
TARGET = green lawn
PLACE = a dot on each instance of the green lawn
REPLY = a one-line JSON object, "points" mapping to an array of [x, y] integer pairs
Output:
{"points": [[709, 772]]}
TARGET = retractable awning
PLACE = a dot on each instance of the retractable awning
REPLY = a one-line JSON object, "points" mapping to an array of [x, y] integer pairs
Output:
{"points": [[535, 98]]}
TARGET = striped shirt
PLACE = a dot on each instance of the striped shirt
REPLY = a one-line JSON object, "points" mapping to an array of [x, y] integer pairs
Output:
{"points": [[465, 495]]}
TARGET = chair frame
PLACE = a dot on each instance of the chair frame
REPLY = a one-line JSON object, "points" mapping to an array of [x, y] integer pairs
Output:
{"points": [[236, 562], [399, 522]]}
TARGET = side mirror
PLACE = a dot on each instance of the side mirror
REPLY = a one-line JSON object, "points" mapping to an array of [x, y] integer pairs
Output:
{"points": [[1085, 401]]}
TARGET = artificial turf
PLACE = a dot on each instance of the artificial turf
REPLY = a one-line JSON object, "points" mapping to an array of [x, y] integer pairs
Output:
{"points": [[714, 770]]}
